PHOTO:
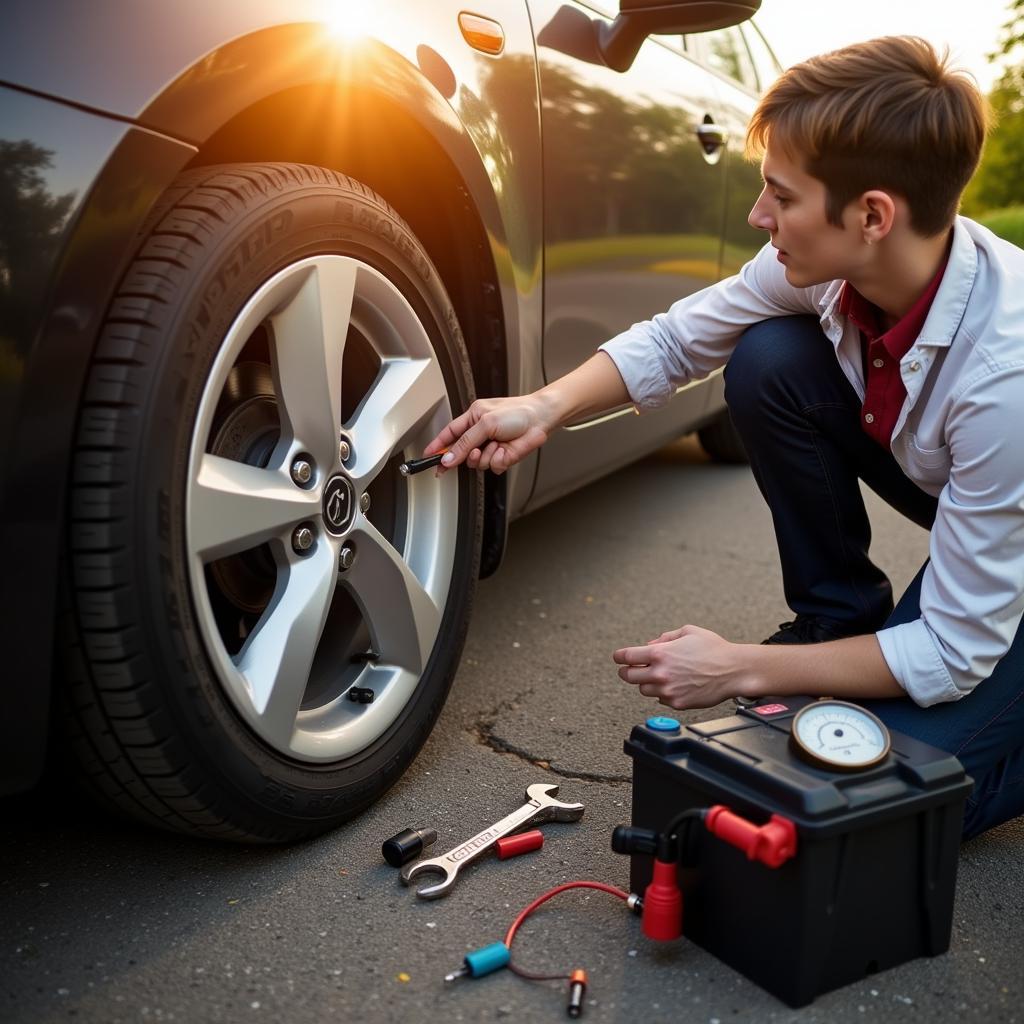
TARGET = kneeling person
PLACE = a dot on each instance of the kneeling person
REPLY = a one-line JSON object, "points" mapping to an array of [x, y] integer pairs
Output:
{"points": [[877, 337]]}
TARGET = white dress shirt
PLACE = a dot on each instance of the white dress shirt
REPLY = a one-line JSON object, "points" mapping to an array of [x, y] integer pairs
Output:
{"points": [[956, 436]]}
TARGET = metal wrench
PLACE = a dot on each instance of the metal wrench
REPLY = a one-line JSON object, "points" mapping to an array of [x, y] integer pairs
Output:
{"points": [[540, 805]]}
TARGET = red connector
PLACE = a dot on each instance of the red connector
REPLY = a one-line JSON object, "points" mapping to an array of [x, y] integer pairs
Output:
{"points": [[772, 843], [663, 904]]}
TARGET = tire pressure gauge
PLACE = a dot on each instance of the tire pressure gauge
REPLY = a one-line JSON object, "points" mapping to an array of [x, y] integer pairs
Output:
{"points": [[840, 736]]}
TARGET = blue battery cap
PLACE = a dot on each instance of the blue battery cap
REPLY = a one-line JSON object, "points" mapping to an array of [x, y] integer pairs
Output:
{"points": [[662, 723]]}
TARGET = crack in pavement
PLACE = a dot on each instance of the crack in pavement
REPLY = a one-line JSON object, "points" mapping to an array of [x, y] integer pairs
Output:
{"points": [[483, 731]]}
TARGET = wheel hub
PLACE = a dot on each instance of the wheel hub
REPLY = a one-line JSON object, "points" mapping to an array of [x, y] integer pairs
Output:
{"points": [[339, 505]]}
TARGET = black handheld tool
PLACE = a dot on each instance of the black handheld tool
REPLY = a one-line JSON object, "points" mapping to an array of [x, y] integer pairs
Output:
{"points": [[418, 465]]}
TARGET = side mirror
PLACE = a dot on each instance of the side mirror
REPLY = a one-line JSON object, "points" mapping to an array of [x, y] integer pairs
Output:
{"points": [[619, 41]]}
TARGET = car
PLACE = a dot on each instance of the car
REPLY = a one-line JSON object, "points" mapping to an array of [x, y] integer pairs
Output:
{"points": [[252, 258]]}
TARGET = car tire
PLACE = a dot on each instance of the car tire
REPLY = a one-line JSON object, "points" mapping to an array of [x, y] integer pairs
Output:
{"points": [[721, 440], [214, 639]]}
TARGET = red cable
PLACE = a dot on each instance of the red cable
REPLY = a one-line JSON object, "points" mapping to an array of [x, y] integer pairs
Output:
{"points": [[611, 889]]}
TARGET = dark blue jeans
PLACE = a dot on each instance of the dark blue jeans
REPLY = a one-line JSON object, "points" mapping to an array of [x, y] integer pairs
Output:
{"points": [[799, 418]]}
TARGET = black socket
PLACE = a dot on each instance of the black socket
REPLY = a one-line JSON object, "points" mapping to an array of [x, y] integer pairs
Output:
{"points": [[627, 839], [406, 845]]}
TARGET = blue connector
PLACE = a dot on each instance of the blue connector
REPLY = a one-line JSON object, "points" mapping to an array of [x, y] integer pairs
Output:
{"points": [[482, 961]]}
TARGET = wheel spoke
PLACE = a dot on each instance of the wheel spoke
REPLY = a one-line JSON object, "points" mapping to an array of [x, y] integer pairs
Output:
{"points": [[309, 344], [278, 654], [404, 394], [234, 506], [402, 617]]}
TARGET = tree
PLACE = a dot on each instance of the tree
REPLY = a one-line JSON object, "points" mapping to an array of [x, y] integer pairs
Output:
{"points": [[31, 222], [999, 181], [1012, 34]]}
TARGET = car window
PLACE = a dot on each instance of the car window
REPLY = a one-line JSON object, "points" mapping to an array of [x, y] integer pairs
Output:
{"points": [[726, 52], [765, 63]]}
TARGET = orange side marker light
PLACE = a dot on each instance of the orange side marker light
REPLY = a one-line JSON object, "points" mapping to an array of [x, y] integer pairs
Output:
{"points": [[482, 34]]}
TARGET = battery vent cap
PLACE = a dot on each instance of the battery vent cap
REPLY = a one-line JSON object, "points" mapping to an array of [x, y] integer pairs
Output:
{"points": [[662, 723]]}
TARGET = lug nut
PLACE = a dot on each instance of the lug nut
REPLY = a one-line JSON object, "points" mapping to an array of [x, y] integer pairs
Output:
{"points": [[346, 557], [344, 450], [364, 503], [302, 538], [302, 472]]}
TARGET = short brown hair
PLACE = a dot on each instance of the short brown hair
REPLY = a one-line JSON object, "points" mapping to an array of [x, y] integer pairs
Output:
{"points": [[887, 114]]}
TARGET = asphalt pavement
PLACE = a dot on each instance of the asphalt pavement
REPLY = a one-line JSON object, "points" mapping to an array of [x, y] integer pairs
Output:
{"points": [[104, 922]]}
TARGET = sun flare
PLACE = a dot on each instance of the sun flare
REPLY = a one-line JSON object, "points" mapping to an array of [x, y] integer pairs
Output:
{"points": [[348, 19]]}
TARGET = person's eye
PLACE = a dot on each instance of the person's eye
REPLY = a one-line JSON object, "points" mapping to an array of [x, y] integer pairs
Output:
{"points": [[783, 201]]}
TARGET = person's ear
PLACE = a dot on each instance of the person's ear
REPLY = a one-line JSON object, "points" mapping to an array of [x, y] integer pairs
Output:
{"points": [[876, 214]]}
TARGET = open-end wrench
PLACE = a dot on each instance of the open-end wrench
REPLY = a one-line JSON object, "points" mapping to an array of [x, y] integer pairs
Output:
{"points": [[540, 805]]}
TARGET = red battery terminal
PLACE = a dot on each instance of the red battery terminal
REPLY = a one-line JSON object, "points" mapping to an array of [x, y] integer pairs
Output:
{"points": [[772, 843], [662, 918]]}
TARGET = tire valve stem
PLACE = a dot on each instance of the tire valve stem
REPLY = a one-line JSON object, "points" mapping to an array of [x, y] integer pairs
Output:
{"points": [[577, 989]]}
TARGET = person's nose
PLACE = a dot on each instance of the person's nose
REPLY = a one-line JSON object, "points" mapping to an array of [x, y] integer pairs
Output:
{"points": [[760, 216]]}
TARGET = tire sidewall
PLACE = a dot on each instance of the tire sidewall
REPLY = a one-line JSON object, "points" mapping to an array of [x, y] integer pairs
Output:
{"points": [[270, 233]]}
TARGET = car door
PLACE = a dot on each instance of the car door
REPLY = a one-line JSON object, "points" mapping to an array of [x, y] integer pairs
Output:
{"points": [[730, 55], [743, 66], [633, 208]]}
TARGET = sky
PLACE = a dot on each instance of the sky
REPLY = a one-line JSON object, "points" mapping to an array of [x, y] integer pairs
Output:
{"points": [[801, 28]]}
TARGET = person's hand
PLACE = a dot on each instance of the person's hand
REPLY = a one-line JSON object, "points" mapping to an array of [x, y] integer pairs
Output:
{"points": [[495, 433], [689, 667]]}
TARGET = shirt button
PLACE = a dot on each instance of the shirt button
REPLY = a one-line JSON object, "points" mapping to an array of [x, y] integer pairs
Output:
{"points": [[914, 366], [878, 364], [869, 417]]}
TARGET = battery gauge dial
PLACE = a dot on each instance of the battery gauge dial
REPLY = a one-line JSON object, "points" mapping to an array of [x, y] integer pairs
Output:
{"points": [[840, 736]]}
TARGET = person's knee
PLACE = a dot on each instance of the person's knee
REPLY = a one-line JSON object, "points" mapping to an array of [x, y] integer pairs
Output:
{"points": [[766, 358]]}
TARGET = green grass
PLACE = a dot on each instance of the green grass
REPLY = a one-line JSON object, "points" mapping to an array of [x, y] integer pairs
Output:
{"points": [[634, 250], [1008, 223]]}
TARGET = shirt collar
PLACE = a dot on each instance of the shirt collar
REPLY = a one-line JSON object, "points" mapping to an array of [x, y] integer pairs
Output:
{"points": [[950, 303], [899, 338]]}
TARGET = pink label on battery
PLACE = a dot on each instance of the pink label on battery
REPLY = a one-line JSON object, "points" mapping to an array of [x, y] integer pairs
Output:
{"points": [[770, 709]]}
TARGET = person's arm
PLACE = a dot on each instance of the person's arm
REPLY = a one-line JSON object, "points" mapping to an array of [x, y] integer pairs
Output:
{"points": [[592, 387], [693, 667], [851, 668], [643, 365], [495, 433], [972, 596]]}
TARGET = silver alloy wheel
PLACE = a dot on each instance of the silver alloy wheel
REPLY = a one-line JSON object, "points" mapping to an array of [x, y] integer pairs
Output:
{"points": [[308, 311]]}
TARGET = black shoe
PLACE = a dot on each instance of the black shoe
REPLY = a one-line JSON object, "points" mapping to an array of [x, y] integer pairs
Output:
{"points": [[807, 629]]}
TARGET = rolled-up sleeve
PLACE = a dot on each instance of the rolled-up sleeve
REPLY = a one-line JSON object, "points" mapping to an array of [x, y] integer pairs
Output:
{"points": [[972, 591], [698, 333]]}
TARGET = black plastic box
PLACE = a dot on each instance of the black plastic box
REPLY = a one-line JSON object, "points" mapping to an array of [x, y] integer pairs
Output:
{"points": [[872, 882]]}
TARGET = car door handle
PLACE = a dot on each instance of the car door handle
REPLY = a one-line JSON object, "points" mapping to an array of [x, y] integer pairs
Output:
{"points": [[711, 137]]}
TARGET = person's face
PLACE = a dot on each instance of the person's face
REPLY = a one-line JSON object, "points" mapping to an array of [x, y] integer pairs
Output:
{"points": [[791, 207]]}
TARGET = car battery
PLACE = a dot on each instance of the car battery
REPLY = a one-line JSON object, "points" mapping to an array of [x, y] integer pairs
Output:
{"points": [[872, 882]]}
